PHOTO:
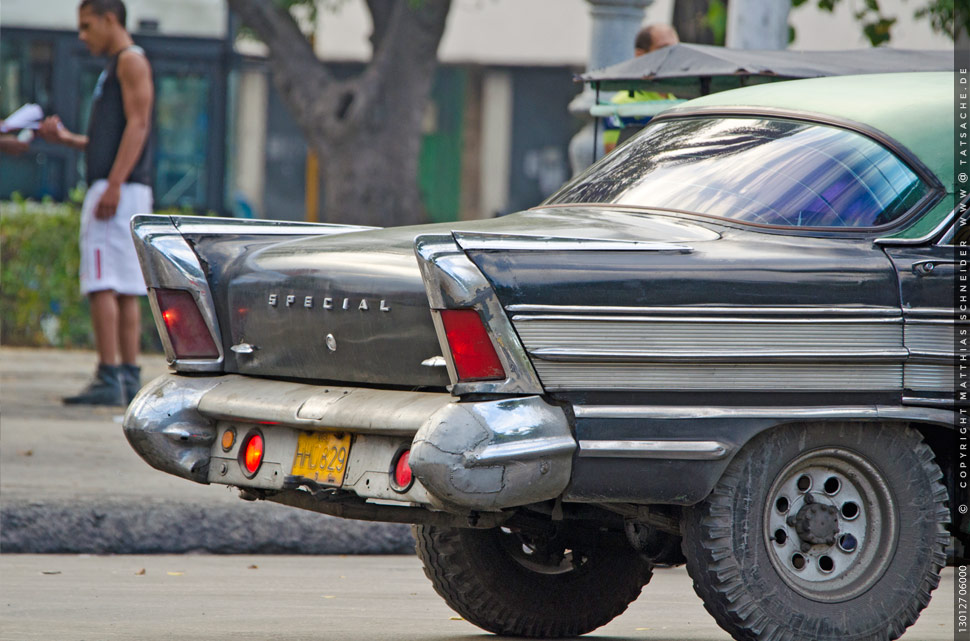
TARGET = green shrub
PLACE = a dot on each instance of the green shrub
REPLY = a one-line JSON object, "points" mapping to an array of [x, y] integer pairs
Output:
{"points": [[40, 299]]}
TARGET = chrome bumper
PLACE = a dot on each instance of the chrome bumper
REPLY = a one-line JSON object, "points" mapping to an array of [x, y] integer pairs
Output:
{"points": [[485, 455]]}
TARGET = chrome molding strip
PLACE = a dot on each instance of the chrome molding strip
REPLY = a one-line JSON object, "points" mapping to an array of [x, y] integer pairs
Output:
{"points": [[937, 402], [519, 318], [690, 450], [517, 451], [935, 321], [752, 356], [691, 311], [627, 412], [209, 225], [931, 356], [947, 238], [760, 377], [928, 311], [168, 261], [929, 377], [452, 281], [486, 241]]}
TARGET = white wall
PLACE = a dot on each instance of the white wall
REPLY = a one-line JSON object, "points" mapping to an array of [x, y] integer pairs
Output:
{"points": [[198, 18], [514, 32]]}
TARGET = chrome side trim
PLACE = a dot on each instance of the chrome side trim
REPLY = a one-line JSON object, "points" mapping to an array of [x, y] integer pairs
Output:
{"points": [[894, 412], [168, 261], [929, 377], [454, 282], [935, 321], [754, 377], [689, 450], [554, 354], [702, 310], [209, 226], [520, 451], [486, 241], [950, 234], [946, 239], [923, 239], [937, 402], [519, 318], [928, 311]]}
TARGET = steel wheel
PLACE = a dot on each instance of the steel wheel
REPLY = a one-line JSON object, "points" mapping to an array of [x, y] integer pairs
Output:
{"points": [[824, 531], [830, 524]]}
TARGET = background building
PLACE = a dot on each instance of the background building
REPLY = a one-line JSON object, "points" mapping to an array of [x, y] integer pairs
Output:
{"points": [[496, 133]]}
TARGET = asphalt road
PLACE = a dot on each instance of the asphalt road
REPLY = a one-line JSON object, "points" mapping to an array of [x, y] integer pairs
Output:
{"points": [[304, 598], [70, 482]]}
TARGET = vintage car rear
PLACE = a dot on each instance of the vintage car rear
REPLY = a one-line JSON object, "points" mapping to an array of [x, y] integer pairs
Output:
{"points": [[729, 343]]}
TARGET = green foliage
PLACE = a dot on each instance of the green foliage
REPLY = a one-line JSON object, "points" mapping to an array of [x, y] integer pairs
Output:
{"points": [[38, 275], [40, 300], [716, 20], [877, 26]]}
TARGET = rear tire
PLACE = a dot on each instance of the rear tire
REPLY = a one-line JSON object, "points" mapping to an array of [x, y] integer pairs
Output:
{"points": [[822, 532], [514, 585]]}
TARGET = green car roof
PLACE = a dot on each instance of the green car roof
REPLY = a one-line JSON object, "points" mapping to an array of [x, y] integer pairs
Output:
{"points": [[915, 109]]}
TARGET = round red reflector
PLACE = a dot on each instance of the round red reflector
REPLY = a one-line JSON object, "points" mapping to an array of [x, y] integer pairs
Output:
{"points": [[402, 471], [253, 453]]}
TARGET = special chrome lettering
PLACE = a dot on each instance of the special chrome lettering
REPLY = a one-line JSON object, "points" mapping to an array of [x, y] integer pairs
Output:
{"points": [[362, 304]]}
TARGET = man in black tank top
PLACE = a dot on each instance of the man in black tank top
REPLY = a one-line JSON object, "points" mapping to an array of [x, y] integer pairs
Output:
{"points": [[118, 160]]}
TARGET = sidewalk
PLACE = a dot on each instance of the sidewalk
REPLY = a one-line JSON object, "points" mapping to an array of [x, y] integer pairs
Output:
{"points": [[70, 483]]}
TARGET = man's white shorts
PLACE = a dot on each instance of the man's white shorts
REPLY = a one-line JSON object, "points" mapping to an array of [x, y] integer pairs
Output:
{"points": [[108, 258]]}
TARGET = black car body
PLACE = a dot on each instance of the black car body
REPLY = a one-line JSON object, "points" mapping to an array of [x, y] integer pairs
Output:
{"points": [[735, 333]]}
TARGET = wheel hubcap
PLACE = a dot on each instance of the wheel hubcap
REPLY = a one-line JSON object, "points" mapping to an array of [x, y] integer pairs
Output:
{"points": [[830, 524]]}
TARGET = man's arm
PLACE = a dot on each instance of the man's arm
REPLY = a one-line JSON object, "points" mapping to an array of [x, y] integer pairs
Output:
{"points": [[53, 130], [137, 95]]}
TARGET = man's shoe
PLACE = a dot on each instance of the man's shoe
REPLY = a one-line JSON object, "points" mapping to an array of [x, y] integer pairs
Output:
{"points": [[130, 381], [105, 389]]}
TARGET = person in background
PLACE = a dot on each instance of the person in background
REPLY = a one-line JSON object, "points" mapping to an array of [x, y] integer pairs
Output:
{"points": [[117, 156], [649, 39]]}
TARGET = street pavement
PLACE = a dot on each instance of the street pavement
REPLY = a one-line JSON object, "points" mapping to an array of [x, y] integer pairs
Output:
{"points": [[70, 483], [277, 598]]}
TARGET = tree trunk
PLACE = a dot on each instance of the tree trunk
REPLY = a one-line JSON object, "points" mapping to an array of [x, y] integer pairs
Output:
{"points": [[690, 21], [366, 130]]}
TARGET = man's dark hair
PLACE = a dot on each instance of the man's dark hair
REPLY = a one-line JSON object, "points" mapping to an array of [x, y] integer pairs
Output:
{"points": [[644, 39], [102, 7]]}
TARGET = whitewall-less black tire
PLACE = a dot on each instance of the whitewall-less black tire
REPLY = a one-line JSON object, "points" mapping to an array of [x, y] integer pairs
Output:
{"points": [[821, 532]]}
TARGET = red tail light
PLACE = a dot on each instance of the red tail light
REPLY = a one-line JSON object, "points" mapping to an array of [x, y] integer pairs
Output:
{"points": [[471, 348], [251, 453], [186, 328], [401, 477]]}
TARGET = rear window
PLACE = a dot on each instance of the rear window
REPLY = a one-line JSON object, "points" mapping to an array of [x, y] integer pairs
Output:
{"points": [[760, 170]]}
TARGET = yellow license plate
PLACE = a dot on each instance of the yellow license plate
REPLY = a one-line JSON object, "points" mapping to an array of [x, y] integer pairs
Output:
{"points": [[322, 456]]}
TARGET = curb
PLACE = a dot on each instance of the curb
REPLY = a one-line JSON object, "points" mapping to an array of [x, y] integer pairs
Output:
{"points": [[169, 527]]}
